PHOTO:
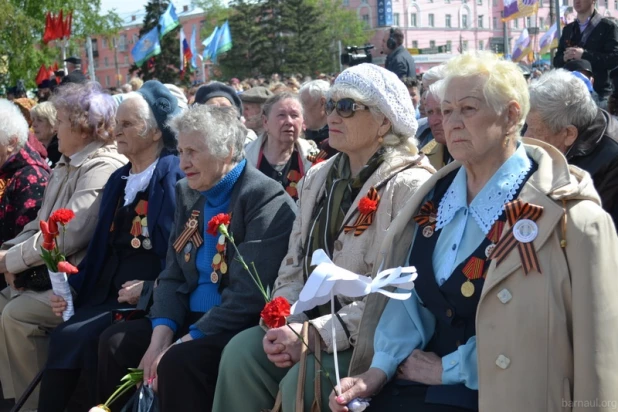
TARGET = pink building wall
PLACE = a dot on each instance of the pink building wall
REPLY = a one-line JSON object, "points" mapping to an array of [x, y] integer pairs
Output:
{"points": [[484, 25]]}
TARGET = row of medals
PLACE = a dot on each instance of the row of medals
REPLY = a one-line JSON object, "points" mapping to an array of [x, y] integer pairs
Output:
{"points": [[467, 288], [218, 260], [146, 243]]}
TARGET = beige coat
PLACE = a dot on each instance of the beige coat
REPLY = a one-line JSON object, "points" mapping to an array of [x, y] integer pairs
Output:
{"points": [[543, 340], [74, 184], [355, 253], [304, 147]]}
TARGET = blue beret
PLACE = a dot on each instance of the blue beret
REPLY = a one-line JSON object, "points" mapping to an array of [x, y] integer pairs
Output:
{"points": [[164, 106]]}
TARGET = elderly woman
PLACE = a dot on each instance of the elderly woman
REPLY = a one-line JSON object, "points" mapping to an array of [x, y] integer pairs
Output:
{"points": [[372, 124], [23, 173], [204, 296], [44, 125], [280, 152], [520, 285], [123, 260], [586, 134], [85, 138], [435, 149]]}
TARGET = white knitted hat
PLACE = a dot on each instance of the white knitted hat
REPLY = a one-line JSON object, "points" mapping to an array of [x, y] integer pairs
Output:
{"points": [[387, 92]]}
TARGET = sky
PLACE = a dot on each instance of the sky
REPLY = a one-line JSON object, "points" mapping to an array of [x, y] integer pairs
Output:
{"points": [[122, 6]]}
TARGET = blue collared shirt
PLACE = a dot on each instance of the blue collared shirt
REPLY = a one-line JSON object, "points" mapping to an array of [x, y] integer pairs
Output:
{"points": [[407, 325]]}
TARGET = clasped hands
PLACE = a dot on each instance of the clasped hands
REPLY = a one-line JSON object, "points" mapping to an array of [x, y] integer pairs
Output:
{"points": [[422, 367], [573, 53], [283, 347]]}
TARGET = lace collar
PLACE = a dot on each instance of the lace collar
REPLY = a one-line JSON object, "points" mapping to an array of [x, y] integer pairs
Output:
{"points": [[487, 206], [138, 182]]}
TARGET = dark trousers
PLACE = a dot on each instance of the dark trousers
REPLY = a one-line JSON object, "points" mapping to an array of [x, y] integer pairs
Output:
{"points": [[186, 374], [394, 397]]}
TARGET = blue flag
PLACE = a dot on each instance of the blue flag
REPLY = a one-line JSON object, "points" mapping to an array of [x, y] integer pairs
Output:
{"points": [[146, 47], [207, 42], [168, 21], [193, 49], [225, 39], [212, 47]]}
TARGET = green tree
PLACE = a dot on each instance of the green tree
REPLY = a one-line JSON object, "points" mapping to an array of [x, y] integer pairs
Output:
{"points": [[164, 66], [22, 23], [249, 50]]}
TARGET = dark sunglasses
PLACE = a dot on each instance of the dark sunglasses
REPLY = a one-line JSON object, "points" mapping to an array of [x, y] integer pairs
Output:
{"points": [[344, 107]]}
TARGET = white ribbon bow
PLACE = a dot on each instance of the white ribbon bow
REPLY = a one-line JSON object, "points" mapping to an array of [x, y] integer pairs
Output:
{"points": [[328, 279]]}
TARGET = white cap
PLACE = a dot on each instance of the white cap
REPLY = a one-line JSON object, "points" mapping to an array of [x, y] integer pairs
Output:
{"points": [[387, 92], [178, 94]]}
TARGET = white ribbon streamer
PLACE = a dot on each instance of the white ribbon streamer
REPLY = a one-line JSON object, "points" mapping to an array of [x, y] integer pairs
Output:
{"points": [[60, 286]]}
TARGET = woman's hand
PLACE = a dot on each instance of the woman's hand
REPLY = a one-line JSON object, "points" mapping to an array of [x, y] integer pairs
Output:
{"points": [[282, 346], [159, 343], [9, 278], [361, 386], [130, 292], [421, 367], [58, 305]]}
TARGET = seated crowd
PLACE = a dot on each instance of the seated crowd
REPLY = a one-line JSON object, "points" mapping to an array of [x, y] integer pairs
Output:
{"points": [[513, 239]]}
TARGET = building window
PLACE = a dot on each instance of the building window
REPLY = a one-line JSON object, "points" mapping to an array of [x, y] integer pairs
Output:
{"points": [[105, 62], [479, 2], [107, 83], [448, 20], [432, 43], [481, 45], [366, 20], [395, 19], [616, 4], [606, 3], [480, 22], [541, 22], [464, 45], [447, 1], [528, 21], [431, 21], [494, 3], [126, 59], [516, 23], [413, 19], [135, 38], [104, 45], [464, 21], [449, 45], [96, 63], [540, 3], [495, 22], [346, 3], [565, 2], [415, 44]]}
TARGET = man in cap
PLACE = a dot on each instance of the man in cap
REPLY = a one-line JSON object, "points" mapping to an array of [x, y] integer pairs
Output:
{"points": [[44, 90], [252, 101], [583, 70], [74, 68]]}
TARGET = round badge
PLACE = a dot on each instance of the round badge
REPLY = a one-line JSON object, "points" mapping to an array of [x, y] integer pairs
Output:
{"points": [[221, 240], [428, 231], [216, 259], [192, 223], [489, 249], [214, 278], [432, 217], [144, 221], [467, 289], [147, 244], [188, 247], [135, 243], [525, 230], [223, 268]]}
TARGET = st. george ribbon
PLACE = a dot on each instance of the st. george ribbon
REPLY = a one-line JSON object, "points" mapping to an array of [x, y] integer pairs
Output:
{"points": [[328, 280]]}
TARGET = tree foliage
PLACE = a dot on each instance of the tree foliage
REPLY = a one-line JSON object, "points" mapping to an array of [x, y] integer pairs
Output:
{"points": [[164, 66], [22, 23]]}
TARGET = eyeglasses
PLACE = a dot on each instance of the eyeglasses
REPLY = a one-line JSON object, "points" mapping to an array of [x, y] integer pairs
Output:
{"points": [[344, 107]]}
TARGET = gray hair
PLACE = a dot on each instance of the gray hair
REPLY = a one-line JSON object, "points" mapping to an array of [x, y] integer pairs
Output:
{"points": [[219, 126], [276, 98], [45, 111], [345, 90], [316, 89], [144, 112], [126, 88], [561, 99], [12, 124], [435, 90], [433, 75]]}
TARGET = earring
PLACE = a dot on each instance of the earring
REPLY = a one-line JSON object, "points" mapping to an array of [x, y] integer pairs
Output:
{"points": [[380, 140]]}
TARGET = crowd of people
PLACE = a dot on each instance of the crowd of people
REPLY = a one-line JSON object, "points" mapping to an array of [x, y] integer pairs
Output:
{"points": [[499, 186]]}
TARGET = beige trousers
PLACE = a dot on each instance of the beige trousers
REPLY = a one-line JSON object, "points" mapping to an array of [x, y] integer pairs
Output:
{"points": [[26, 320]]}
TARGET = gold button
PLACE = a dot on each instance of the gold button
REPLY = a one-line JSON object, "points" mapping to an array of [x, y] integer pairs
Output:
{"points": [[449, 313], [338, 245]]}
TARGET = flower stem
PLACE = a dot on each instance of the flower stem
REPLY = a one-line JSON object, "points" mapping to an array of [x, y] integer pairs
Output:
{"points": [[255, 278], [314, 357]]}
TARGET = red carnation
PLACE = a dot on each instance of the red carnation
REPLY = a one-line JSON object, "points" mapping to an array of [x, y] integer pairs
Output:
{"points": [[67, 268], [366, 205], [275, 312], [216, 221], [62, 216]]}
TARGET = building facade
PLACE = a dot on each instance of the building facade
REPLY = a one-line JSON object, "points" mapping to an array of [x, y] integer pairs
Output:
{"points": [[112, 57]]}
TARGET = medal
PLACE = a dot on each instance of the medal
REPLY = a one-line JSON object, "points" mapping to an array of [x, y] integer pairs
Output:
{"points": [[135, 243], [221, 240], [187, 257], [223, 268], [144, 222], [214, 278], [467, 288], [147, 244], [188, 247], [489, 249], [189, 233], [428, 231], [216, 259], [525, 230]]}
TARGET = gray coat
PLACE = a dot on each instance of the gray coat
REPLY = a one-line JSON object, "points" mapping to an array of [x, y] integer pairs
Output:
{"points": [[401, 63], [262, 217]]}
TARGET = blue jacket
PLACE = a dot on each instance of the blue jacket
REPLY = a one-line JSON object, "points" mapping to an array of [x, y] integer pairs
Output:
{"points": [[161, 206]]}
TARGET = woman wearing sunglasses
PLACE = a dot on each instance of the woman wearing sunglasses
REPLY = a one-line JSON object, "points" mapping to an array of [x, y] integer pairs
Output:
{"points": [[346, 205]]}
